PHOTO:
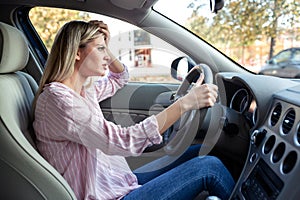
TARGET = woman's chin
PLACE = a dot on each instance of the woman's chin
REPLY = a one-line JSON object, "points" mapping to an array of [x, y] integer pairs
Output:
{"points": [[101, 72]]}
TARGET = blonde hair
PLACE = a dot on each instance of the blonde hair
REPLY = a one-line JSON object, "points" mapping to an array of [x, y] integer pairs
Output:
{"points": [[61, 60]]}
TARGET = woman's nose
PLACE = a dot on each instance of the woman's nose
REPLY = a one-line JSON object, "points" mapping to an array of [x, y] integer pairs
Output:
{"points": [[106, 57]]}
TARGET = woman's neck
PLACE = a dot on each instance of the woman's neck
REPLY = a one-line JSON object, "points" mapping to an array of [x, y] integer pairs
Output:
{"points": [[75, 82]]}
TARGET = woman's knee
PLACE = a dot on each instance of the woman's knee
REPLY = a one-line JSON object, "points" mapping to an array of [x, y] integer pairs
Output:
{"points": [[211, 161], [211, 166], [218, 179]]}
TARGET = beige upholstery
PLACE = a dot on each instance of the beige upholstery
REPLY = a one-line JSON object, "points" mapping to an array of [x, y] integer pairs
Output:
{"points": [[14, 50], [24, 173]]}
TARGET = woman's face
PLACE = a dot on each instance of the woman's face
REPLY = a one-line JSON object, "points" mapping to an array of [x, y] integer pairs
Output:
{"points": [[93, 59]]}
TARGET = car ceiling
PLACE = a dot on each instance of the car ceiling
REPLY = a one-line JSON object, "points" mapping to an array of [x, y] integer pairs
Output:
{"points": [[133, 11]]}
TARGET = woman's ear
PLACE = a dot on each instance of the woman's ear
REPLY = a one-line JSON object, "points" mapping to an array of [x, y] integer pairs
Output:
{"points": [[78, 54]]}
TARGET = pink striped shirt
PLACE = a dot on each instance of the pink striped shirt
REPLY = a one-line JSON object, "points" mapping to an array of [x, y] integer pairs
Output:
{"points": [[86, 149]]}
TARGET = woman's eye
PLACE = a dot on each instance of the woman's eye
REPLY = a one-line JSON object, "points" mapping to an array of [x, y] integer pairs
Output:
{"points": [[101, 48]]}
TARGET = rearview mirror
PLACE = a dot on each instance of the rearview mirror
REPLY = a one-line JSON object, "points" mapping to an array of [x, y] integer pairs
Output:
{"points": [[216, 5], [181, 66]]}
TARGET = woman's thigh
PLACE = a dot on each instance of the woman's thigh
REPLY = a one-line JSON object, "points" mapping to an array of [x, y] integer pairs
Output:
{"points": [[147, 175], [187, 180]]}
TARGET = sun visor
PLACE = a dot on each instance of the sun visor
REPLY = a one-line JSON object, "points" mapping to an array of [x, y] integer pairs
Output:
{"points": [[129, 4]]}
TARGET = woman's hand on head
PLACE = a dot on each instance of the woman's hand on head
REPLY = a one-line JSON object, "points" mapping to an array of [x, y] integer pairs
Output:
{"points": [[103, 29], [200, 96]]}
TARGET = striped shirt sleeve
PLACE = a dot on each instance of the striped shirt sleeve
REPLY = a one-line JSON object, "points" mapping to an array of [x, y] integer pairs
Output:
{"points": [[71, 117], [107, 86]]}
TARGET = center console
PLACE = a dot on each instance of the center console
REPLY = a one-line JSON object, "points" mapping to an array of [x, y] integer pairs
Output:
{"points": [[272, 168], [262, 183]]}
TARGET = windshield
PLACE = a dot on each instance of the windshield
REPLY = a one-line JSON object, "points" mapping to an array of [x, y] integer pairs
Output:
{"points": [[251, 32]]}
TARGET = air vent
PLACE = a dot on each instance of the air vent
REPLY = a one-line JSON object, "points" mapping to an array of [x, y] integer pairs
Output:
{"points": [[288, 121], [298, 135], [276, 114]]}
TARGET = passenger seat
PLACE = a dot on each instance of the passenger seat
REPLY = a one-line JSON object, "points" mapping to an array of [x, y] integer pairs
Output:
{"points": [[24, 173]]}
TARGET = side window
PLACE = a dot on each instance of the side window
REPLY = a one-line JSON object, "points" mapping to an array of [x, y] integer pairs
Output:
{"points": [[296, 57], [283, 56], [147, 57]]}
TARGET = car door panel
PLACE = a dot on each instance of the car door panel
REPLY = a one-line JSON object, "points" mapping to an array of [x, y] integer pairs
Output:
{"points": [[136, 101]]}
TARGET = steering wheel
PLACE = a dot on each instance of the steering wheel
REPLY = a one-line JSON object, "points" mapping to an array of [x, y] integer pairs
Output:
{"points": [[187, 127]]}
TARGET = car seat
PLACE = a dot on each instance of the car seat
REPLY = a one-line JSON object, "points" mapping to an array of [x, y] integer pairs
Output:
{"points": [[23, 171]]}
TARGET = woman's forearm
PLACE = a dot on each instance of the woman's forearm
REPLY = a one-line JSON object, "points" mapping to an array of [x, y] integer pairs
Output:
{"points": [[170, 115], [115, 65]]}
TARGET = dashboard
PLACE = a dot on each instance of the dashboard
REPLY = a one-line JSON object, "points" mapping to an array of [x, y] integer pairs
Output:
{"points": [[271, 107]]}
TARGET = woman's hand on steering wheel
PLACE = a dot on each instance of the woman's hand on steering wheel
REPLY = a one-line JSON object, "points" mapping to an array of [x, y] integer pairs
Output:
{"points": [[200, 96]]}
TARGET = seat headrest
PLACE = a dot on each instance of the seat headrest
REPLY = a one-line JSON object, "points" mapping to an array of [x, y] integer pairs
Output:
{"points": [[14, 52]]}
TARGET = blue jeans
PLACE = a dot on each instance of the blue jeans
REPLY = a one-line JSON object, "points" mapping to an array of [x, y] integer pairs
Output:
{"points": [[184, 179]]}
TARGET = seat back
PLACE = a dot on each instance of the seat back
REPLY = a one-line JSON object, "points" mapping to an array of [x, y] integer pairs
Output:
{"points": [[24, 173]]}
